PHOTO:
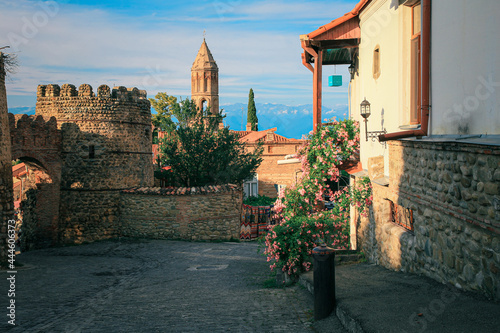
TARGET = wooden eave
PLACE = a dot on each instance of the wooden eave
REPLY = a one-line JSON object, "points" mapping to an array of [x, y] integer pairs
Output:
{"points": [[343, 32]]}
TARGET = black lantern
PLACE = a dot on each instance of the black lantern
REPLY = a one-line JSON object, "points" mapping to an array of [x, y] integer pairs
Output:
{"points": [[365, 109], [351, 70], [365, 113]]}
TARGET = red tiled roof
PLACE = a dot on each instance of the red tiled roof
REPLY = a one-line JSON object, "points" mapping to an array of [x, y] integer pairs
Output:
{"points": [[255, 136], [241, 134], [19, 170]]}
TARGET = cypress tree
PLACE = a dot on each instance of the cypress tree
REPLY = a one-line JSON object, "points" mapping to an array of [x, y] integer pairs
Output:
{"points": [[252, 112]]}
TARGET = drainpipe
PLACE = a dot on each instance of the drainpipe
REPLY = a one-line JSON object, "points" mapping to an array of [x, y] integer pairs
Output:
{"points": [[425, 105]]}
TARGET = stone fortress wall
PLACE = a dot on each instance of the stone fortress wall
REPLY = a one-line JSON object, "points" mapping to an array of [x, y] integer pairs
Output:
{"points": [[106, 147], [6, 192], [97, 151], [38, 144]]}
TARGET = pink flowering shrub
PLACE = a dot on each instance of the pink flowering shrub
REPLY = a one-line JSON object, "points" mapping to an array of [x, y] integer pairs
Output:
{"points": [[361, 193], [290, 242], [326, 150]]}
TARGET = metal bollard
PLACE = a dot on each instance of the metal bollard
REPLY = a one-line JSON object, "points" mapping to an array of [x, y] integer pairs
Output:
{"points": [[324, 281]]}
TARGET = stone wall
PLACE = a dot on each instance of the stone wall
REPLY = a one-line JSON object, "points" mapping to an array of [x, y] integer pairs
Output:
{"points": [[453, 192], [6, 194], [87, 216], [202, 213]]}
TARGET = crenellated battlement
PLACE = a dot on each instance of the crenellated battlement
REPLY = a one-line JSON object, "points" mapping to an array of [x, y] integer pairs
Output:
{"points": [[85, 90], [34, 134], [32, 123]]}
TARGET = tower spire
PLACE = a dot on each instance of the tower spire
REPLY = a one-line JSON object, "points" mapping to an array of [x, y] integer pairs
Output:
{"points": [[205, 79]]}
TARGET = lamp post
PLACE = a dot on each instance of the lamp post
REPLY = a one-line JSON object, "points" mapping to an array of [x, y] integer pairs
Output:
{"points": [[365, 113]]}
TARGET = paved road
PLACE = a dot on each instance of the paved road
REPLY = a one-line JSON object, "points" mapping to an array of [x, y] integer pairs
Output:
{"points": [[153, 286]]}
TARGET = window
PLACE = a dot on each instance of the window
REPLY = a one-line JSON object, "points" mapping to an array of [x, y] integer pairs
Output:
{"points": [[251, 187], [402, 216], [342, 182], [279, 188], [204, 106], [415, 71], [376, 62], [91, 151]]}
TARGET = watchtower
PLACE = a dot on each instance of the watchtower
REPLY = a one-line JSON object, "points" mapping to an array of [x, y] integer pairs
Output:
{"points": [[106, 147]]}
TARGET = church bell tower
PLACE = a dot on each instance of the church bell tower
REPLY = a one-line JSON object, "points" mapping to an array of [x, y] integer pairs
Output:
{"points": [[205, 80]]}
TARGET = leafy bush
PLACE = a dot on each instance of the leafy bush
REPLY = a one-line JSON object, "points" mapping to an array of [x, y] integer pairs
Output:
{"points": [[196, 150], [260, 200]]}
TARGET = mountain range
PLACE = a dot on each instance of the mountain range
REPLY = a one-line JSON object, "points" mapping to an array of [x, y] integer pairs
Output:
{"points": [[291, 121]]}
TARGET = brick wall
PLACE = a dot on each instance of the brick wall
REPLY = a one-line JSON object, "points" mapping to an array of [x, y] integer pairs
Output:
{"points": [[206, 213], [270, 173], [453, 191]]}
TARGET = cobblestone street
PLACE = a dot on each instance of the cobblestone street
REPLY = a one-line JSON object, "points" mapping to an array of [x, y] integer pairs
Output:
{"points": [[153, 286]]}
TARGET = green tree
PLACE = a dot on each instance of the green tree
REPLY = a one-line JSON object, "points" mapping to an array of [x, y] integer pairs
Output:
{"points": [[200, 153], [171, 113], [252, 112]]}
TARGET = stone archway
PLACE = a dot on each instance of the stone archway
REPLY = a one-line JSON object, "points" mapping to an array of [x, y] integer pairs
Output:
{"points": [[39, 208], [37, 143]]}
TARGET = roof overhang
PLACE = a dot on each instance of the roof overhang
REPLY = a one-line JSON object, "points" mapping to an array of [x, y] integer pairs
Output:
{"points": [[338, 39]]}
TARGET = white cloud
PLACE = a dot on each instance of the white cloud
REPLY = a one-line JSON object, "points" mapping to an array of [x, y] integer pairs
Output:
{"points": [[84, 45]]}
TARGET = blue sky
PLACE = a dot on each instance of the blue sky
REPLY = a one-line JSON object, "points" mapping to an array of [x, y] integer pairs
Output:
{"points": [[152, 44]]}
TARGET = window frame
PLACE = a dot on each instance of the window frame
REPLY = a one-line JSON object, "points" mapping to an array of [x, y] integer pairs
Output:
{"points": [[415, 70], [248, 191]]}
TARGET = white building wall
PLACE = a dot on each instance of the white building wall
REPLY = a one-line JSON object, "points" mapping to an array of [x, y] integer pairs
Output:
{"points": [[379, 23], [465, 67]]}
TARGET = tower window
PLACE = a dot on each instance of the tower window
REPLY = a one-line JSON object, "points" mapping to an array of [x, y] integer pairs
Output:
{"points": [[204, 106], [91, 151]]}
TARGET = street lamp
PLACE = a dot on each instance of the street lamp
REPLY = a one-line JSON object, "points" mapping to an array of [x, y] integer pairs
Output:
{"points": [[351, 70], [365, 109], [365, 113]]}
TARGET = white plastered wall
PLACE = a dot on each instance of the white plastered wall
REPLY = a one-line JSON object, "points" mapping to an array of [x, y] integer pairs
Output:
{"points": [[465, 67], [382, 24]]}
